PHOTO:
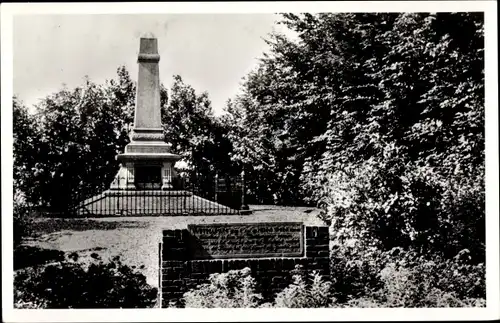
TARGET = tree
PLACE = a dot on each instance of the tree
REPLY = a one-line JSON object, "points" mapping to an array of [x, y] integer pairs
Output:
{"points": [[69, 152], [26, 135], [196, 134], [371, 115], [422, 177]]}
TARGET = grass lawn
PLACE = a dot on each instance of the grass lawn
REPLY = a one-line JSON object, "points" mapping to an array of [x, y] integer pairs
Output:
{"points": [[135, 239]]}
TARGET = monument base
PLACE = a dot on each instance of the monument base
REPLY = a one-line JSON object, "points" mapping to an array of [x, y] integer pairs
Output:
{"points": [[148, 167], [150, 203]]}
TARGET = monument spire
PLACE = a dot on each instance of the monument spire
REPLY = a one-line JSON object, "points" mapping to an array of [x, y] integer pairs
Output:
{"points": [[147, 105], [147, 162]]}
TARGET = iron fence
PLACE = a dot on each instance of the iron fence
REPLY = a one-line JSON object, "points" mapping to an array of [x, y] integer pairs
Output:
{"points": [[224, 196]]}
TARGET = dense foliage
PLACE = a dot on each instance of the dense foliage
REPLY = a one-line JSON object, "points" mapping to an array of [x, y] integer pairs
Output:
{"points": [[353, 84], [68, 146], [392, 279], [71, 284], [22, 220], [236, 288], [379, 119], [29, 256], [305, 291], [405, 278], [197, 135]]}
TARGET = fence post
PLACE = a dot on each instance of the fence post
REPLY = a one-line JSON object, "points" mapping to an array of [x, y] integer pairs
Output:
{"points": [[243, 205], [160, 265], [216, 183]]}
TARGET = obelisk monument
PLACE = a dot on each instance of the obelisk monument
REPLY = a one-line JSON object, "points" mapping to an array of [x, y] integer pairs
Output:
{"points": [[143, 184], [147, 163]]}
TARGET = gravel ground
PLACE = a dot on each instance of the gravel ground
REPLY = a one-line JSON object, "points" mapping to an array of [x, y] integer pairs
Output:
{"points": [[135, 239]]}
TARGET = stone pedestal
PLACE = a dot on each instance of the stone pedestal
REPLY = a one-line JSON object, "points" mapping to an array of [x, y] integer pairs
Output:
{"points": [[124, 180]]}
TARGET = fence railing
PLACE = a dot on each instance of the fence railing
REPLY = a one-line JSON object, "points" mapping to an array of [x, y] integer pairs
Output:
{"points": [[185, 199], [143, 203]]}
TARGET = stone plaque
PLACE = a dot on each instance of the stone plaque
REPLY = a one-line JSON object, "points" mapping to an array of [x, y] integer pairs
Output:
{"points": [[246, 240]]}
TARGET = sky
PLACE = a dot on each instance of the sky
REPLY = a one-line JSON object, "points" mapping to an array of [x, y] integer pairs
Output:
{"points": [[211, 52]]}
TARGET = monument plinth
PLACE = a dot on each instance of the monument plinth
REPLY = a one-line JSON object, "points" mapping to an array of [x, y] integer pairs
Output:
{"points": [[147, 162]]}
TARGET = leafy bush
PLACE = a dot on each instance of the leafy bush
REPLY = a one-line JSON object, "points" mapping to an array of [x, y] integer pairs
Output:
{"points": [[236, 288], [70, 284], [27, 256], [413, 280], [404, 287], [397, 203], [402, 278], [355, 271], [303, 292], [396, 278], [22, 219]]}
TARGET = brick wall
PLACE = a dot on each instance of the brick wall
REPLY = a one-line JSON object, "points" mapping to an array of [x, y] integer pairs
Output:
{"points": [[180, 272]]}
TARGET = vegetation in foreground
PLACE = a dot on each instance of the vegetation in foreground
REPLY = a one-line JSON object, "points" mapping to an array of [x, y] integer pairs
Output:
{"points": [[401, 283], [72, 284]]}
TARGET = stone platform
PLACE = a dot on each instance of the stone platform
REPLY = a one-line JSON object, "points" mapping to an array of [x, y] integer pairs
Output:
{"points": [[150, 203]]}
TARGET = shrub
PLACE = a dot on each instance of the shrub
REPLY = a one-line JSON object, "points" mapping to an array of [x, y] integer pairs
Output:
{"points": [[413, 280], [310, 292], [236, 288], [405, 278], [22, 219], [355, 271], [28, 256], [368, 278], [70, 284], [409, 287]]}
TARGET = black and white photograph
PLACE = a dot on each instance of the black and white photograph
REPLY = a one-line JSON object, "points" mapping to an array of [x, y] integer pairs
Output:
{"points": [[341, 157]]}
